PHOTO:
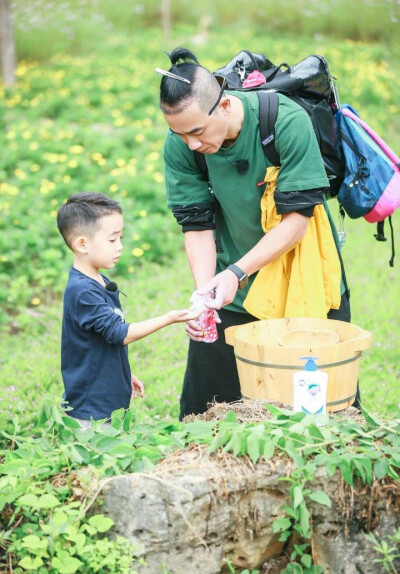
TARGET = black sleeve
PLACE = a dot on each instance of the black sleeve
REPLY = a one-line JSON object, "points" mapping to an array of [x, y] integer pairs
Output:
{"points": [[301, 201], [195, 217]]}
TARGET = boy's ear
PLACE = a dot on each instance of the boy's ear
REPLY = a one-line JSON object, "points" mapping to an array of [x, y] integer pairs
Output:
{"points": [[80, 244]]}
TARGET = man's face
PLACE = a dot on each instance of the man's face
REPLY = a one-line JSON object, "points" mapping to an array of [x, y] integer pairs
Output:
{"points": [[200, 131]]}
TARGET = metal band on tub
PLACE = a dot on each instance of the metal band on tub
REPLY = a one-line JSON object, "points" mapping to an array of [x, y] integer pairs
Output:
{"points": [[296, 367]]}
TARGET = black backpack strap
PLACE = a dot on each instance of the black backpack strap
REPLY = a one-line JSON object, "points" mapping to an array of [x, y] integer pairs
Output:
{"points": [[201, 163], [380, 236], [269, 103]]}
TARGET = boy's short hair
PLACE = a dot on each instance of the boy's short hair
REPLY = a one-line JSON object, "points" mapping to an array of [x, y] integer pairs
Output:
{"points": [[81, 212]]}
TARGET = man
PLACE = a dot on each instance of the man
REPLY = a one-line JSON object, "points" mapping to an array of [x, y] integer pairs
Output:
{"points": [[225, 128]]}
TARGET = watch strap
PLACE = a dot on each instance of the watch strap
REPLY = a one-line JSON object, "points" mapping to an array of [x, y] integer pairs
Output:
{"points": [[240, 274]]}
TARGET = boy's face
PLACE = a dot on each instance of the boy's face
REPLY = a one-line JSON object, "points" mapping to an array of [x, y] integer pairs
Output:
{"points": [[103, 249]]}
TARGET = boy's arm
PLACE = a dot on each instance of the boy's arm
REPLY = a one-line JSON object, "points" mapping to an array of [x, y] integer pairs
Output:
{"points": [[141, 329]]}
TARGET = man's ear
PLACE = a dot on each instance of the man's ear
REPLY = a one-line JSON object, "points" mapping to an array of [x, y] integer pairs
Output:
{"points": [[80, 244], [225, 105]]}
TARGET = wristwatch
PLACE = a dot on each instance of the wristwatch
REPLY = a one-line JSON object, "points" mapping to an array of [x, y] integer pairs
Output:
{"points": [[241, 275]]}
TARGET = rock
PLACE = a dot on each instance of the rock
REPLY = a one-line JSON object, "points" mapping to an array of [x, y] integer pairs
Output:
{"points": [[196, 510]]}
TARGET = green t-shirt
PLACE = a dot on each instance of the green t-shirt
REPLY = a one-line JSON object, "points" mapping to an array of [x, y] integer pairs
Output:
{"points": [[238, 195]]}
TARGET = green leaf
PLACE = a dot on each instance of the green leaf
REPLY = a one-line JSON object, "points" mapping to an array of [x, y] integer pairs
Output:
{"points": [[253, 447], [306, 560], [101, 522], [372, 421], [34, 542], [122, 450], [67, 565], [381, 468], [346, 471], [47, 501], [28, 500], [315, 432], [297, 496], [305, 520], [281, 524], [269, 447], [219, 440], [31, 563], [199, 430], [70, 422], [320, 497], [230, 417]]}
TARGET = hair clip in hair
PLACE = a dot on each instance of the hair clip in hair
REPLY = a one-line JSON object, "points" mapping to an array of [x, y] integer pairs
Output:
{"points": [[171, 75]]}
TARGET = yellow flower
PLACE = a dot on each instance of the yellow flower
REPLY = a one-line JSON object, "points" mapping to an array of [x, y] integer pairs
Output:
{"points": [[136, 236], [35, 167], [113, 188], [3, 258], [153, 156], [72, 163], [131, 269], [137, 252], [142, 213], [26, 135], [158, 177], [66, 178], [20, 173], [76, 149], [53, 213], [139, 138], [121, 162], [35, 301], [33, 146], [119, 122]]}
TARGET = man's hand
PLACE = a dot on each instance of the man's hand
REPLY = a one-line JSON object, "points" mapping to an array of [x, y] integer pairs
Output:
{"points": [[137, 387], [224, 285]]}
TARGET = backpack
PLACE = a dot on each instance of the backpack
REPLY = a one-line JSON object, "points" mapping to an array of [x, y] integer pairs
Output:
{"points": [[309, 84], [363, 172], [371, 187]]}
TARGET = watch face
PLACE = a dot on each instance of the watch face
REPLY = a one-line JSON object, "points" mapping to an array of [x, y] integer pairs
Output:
{"points": [[243, 282]]}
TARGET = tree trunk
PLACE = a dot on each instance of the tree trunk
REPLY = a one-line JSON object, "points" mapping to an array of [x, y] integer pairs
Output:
{"points": [[166, 19], [7, 47]]}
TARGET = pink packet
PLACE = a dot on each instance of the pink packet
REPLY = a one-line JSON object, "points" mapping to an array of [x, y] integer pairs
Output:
{"points": [[207, 321]]}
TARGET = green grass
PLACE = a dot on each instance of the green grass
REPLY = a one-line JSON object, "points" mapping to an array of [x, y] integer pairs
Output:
{"points": [[159, 360]]}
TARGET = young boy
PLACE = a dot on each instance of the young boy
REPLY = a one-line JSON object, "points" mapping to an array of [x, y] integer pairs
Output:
{"points": [[94, 352]]}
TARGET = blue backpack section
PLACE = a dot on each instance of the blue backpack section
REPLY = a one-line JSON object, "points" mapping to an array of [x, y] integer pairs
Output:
{"points": [[368, 170]]}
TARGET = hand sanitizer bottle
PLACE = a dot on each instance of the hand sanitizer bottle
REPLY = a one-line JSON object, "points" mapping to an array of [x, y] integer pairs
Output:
{"points": [[309, 388]]}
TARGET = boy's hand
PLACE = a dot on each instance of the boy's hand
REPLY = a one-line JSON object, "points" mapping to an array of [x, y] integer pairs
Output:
{"points": [[137, 386], [195, 331]]}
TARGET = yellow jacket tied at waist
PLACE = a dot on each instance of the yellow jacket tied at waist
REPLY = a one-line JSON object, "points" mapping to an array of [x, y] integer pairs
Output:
{"points": [[303, 282]]}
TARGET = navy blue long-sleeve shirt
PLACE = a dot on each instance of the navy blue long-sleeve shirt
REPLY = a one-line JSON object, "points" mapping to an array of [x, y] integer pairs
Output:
{"points": [[94, 360]]}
